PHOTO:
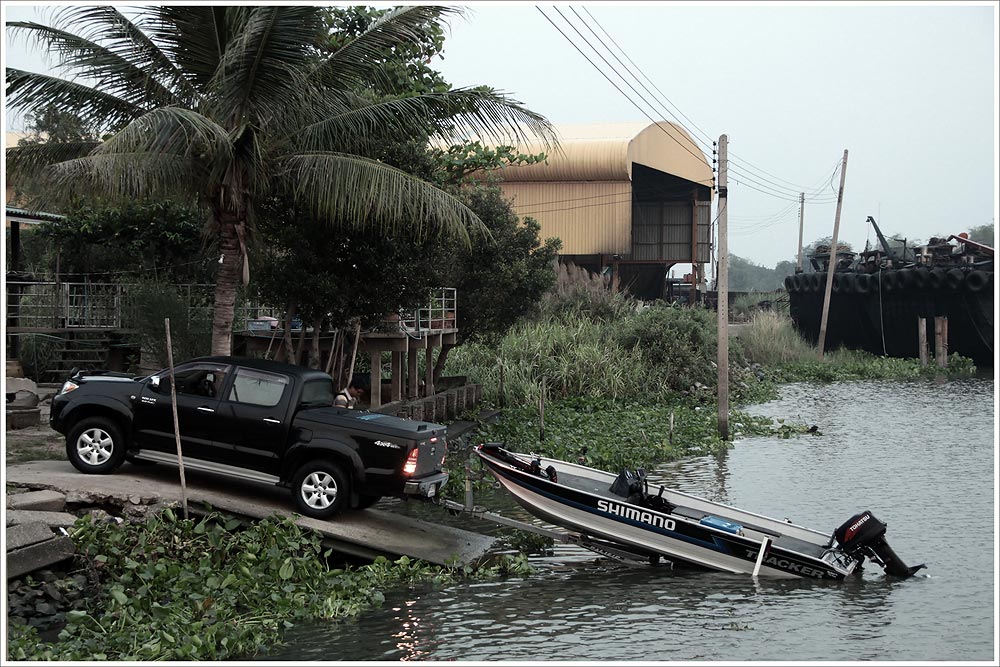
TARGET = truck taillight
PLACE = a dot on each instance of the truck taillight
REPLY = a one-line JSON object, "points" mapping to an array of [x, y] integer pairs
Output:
{"points": [[410, 466]]}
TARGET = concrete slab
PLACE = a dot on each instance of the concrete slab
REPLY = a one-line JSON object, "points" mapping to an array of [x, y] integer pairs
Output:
{"points": [[26, 534], [366, 533], [51, 519], [37, 556], [49, 501]]}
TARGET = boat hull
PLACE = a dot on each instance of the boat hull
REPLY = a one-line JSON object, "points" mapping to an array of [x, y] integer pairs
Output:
{"points": [[695, 532]]}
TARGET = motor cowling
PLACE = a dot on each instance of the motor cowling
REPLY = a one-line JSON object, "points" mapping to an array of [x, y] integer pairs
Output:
{"points": [[863, 535]]}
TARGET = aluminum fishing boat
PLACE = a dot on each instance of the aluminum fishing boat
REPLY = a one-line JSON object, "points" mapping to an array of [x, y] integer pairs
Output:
{"points": [[614, 514]]}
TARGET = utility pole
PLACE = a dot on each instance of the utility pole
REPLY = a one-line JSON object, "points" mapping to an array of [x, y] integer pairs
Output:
{"points": [[722, 289], [802, 211], [833, 259]]}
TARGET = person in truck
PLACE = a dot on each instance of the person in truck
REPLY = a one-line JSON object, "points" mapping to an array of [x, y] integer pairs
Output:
{"points": [[348, 397]]}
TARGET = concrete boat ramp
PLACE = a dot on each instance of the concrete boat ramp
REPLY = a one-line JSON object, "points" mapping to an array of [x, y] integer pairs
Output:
{"points": [[363, 534]]}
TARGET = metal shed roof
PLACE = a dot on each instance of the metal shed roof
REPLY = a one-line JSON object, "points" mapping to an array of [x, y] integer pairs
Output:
{"points": [[606, 152]]}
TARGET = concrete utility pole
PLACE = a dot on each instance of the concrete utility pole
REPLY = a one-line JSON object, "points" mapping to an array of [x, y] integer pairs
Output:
{"points": [[722, 289], [833, 259], [802, 211]]}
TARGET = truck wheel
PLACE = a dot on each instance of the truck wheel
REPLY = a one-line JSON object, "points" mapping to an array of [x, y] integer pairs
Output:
{"points": [[319, 489], [95, 446], [364, 502]]}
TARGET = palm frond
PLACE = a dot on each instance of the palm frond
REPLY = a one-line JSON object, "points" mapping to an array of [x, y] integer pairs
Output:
{"points": [[361, 58], [465, 113], [124, 177], [357, 192], [106, 67], [27, 91], [261, 70], [194, 37], [173, 131], [27, 164], [107, 25]]}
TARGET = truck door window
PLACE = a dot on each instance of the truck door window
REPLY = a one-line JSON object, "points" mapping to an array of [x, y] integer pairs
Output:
{"points": [[257, 387], [317, 394], [201, 380]]}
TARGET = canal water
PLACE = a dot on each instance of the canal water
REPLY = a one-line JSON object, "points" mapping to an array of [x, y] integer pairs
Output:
{"points": [[919, 455]]}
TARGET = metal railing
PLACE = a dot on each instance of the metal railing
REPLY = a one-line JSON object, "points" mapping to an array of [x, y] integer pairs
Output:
{"points": [[89, 305], [440, 313]]}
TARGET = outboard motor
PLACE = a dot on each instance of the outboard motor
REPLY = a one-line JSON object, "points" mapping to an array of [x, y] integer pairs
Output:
{"points": [[864, 535]]}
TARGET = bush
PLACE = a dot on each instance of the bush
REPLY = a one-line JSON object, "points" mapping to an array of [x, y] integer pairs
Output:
{"points": [[679, 343], [579, 293]]}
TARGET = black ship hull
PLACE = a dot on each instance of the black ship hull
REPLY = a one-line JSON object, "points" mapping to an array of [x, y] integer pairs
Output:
{"points": [[879, 311]]}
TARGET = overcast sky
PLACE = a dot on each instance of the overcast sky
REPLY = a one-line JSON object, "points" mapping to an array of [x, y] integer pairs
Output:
{"points": [[910, 90]]}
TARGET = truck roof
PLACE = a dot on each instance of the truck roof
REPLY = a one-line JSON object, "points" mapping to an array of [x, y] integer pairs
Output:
{"points": [[266, 365]]}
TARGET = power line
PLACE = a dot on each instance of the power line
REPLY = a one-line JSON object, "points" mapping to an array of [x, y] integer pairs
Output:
{"points": [[594, 65], [733, 164], [708, 143]]}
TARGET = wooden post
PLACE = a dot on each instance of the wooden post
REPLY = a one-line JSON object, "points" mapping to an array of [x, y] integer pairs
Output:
{"points": [[802, 213], [541, 410], [503, 400], [429, 370], [941, 341], [723, 291], [375, 385], [412, 355], [354, 352], [922, 339], [821, 343], [177, 430], [396, 388], [937, 341]]}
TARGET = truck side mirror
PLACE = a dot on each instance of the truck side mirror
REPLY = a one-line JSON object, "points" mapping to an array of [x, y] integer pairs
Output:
{"points": [[161, 385]]}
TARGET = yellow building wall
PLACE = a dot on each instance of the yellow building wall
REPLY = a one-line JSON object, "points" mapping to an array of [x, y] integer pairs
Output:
{"points": [[590, 217]]}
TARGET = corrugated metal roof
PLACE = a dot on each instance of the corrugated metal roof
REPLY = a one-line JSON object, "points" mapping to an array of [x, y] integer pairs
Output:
{"points": [[606, 151]]}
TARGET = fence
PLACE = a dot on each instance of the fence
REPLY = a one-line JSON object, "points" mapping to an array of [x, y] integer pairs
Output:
{"points": [[89, 305]]}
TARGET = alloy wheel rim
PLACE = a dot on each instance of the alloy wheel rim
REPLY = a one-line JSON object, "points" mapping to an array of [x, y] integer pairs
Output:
{"points": [[319, 490], [95, 446]]}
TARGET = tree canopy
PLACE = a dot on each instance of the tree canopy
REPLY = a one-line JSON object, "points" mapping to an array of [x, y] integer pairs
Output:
{"points": [[232, 107]]}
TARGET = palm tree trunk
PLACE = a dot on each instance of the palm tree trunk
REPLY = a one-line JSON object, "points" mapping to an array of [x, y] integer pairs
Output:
{"points": [[314, 353], [227, 280], [286, 336]]}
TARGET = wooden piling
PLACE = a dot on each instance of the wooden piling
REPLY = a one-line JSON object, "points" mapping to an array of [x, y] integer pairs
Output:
{"points": [[922, 339]]}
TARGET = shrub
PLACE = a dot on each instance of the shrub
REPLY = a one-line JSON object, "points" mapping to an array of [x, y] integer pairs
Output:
{"points": [[770, 339], [580, 293]]}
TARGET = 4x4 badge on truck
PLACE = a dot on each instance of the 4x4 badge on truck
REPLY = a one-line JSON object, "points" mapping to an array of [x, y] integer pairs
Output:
{"points": [[383, 443]]}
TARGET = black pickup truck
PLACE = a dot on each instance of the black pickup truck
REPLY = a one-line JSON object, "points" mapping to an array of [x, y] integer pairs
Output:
{"points": [[255, 420]]}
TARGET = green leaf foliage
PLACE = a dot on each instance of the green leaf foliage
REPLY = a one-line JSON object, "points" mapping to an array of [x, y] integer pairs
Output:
{"points": [[186, 590]]}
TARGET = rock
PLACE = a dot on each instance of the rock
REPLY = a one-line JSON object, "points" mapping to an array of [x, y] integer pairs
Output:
{"points": [[45, 608], [23, 417], [52, 590]]}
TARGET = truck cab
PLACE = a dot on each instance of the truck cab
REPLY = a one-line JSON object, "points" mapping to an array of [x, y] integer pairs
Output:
{"points": [[252, 419]]}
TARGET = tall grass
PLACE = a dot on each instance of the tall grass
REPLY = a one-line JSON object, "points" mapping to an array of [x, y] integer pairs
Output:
{"points": [[770, 339]]}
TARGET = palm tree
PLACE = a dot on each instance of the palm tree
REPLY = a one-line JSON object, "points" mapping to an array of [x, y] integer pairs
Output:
{"points": [[231, 106]]}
